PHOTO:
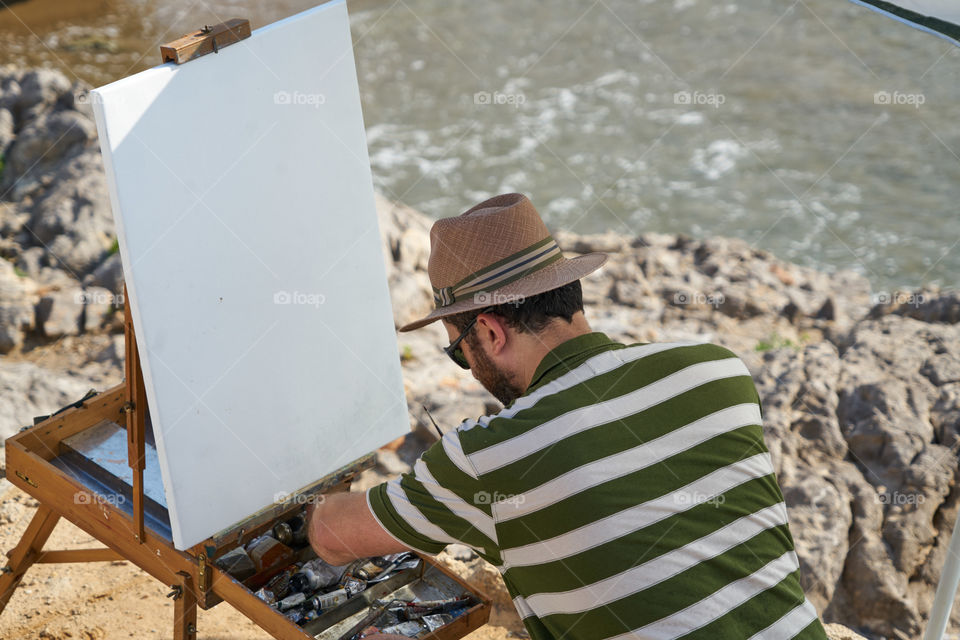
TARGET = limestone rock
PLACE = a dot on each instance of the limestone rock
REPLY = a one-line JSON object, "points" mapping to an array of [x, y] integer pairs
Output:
{"points": [[73, 219], [41, 145], [27, 390], [16, 309], [61, 312], [108, 274]]}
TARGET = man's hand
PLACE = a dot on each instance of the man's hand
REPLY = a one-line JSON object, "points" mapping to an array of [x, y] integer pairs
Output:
{"points": [[342, 529]]}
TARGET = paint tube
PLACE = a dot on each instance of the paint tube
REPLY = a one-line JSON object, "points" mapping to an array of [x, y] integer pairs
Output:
{"points": [[409, 629], [353, 585], [436, 620], [292, 601], [330, 600]]}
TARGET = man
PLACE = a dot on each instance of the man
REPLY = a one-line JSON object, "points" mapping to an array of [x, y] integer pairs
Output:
{"points": [[623, 491]]}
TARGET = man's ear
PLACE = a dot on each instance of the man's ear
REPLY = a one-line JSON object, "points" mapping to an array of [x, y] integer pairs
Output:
{"points": [[492, 330]]}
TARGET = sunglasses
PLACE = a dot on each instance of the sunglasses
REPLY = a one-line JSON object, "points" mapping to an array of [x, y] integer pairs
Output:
{"points": [[454, 350]]}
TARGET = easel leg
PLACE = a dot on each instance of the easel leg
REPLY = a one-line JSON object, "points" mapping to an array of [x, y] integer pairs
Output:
{"points": [[26, 552], [185, 609]]}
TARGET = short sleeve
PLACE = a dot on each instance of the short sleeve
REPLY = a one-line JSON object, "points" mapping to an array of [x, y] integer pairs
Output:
{"points": [[439, 502]]}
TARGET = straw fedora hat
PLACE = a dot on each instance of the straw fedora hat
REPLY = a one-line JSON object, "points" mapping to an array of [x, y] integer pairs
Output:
{"points": [[495, 253]]}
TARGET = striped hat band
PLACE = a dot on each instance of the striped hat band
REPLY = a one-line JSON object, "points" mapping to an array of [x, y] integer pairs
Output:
{"points": [[503, 272]]}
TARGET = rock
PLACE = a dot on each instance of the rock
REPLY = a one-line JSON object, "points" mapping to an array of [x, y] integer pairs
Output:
{"points": [[6, 129], [113, 352], [482, 576], [27, 390], [817, 422], [10, 90], [829, 310], [739, 303], [410, 296], [16, 309], [41, 146], [820, 518], [72, 309], [406, 235], [872, 592], [596, 287], [60, 312], [839, 632], [31, 261], [920, 305], [390, 464], [12, 219], [73, 219], [636, 294], [609, 242], [910, 509], [39, 90], [945, 416], [460, 552], [98, 304], [414, 248], [660, 262], [886, 402], [108, 274], [858, 444], [941, 369]]}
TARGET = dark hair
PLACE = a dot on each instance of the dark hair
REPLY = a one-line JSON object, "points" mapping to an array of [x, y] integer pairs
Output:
{"points": [[533, 314]]}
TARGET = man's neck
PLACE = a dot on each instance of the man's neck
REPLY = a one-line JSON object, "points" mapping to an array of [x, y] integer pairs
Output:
{"points": [[539, 345]]}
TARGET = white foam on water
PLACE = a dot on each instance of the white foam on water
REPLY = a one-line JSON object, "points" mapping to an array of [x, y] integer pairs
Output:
{"points": [[718, 159], [690, 117]]}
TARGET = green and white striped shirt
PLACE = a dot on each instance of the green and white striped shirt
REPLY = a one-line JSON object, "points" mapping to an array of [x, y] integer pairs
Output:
{"points": [[627, 493]]}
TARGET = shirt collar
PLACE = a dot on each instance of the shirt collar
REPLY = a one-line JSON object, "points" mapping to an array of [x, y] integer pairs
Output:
{"points": [[569, 355]]}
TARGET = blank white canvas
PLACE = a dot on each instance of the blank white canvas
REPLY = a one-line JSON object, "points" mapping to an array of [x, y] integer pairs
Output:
{"points": [[244, 204]]}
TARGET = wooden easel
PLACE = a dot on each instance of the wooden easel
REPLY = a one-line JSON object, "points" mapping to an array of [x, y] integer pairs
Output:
{"points": [[35, 466], [193, 579]]}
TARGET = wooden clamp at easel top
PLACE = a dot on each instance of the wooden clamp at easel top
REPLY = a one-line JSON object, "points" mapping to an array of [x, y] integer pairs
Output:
{"points": [[205, 40]]}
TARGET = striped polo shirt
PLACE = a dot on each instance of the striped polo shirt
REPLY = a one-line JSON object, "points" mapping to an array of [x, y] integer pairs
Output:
{"points": [[628, 493]]}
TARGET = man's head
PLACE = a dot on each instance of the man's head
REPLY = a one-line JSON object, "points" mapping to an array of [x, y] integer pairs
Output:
{"points": [[499, 258], [503, 344]]}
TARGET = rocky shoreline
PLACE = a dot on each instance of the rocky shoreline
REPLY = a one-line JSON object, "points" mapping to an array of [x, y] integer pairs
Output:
{"points": [[860, 389]]}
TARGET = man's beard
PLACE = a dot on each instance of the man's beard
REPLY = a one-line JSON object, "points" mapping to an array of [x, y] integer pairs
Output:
{"points": [[492, 379]]}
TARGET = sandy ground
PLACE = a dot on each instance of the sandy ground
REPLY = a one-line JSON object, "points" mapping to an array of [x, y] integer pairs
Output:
{"points": [[89, 601]]}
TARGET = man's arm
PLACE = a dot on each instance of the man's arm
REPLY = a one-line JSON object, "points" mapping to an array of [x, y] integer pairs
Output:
{"points": [[342, 529]]}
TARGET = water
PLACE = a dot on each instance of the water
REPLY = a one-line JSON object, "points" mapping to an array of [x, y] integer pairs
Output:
{"points": [[767, 120]]}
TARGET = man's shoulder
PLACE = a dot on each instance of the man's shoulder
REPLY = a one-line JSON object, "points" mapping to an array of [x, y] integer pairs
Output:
{"points": [[616, 370], [666, 358]]}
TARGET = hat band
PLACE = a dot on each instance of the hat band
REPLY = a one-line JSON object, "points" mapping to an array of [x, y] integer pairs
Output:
{"points": [[501, 273]]}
